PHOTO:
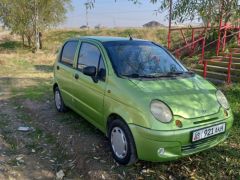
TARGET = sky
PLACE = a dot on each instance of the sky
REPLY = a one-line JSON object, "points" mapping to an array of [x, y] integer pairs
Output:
{"points": [[109, 13]]}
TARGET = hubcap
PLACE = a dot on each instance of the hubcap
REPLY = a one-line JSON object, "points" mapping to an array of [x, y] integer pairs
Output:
{"points": [[119, 142], [57, 99]]}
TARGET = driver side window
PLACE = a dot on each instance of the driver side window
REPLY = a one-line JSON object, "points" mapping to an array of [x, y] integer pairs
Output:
{"points": [[90, 55]]}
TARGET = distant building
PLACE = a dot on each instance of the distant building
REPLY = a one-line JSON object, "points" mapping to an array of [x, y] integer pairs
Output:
{"points": [[99, 26], [83, 27], [153, 24]]}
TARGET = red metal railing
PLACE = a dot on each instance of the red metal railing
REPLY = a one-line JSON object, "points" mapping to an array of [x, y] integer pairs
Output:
{"points": [[203, 42], [224, 29], [239, 32], [221, 41], [190, 43], [229, 56], [192, 38]]}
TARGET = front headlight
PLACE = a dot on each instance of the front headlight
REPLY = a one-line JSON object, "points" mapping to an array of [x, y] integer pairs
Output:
{"points": [[161, 111], [222, 99]]}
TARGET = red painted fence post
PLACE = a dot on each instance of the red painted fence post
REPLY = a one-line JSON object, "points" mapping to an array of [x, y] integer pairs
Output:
{"points": [[203, 49], [204, 69], [229, 69], [239, 33], [178, 54]]}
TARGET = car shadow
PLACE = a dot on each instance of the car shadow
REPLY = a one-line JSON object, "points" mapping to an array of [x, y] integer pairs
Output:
{"points": [[44, 68]]}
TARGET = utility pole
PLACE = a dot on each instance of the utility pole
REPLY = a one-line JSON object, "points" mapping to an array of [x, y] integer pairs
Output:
{"points": [[86, 7], [170, 24]]}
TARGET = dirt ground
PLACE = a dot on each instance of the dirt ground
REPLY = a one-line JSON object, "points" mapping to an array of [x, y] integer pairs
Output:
{"points": [[51, 145]]}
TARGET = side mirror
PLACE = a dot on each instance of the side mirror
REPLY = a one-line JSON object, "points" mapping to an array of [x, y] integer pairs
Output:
{"points": [[90, 71]]}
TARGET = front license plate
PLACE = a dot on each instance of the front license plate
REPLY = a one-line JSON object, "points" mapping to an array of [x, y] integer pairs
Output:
{"points": [[208, 132]]}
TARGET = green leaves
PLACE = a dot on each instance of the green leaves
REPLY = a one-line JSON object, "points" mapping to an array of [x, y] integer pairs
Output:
{"points": [[208, 10], [27, 17]]}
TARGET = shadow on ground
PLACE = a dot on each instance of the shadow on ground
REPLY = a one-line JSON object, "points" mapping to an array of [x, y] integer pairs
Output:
{"points": [[10, 45], [44, 68]]}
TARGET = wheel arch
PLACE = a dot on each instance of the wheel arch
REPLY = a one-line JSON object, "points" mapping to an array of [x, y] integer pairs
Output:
{"points": [[54, 86], [112, 117], [128, 116]]}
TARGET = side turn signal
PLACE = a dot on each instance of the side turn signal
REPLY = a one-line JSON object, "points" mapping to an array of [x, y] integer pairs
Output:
{"points": [[178, 123]]}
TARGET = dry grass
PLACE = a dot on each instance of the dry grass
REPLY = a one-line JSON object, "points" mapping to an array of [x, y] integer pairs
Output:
{"points": [[158, 35]]}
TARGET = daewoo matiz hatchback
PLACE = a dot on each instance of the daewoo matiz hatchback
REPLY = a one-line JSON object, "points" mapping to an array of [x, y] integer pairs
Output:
{"points": [[146, 102]]}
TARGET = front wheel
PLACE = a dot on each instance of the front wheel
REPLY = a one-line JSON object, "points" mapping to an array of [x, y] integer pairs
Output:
{"points": [[122, 143], [60, 106]]}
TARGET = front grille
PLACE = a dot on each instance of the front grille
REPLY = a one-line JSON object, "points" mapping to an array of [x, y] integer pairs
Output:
{"points": [[195, 145], [207, 120]]}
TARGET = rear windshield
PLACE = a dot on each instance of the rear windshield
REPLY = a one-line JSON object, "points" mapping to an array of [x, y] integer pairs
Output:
{"points": [[141, 58]]}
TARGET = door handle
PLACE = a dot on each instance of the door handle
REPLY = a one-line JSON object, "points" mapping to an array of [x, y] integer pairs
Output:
{"points": [[76, 76], [58, 67]]}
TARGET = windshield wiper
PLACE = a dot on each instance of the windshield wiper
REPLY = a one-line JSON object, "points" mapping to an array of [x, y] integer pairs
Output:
{"points": [[169, 74], [175, 73], [190, 72], [157, 75], [139, 76]]}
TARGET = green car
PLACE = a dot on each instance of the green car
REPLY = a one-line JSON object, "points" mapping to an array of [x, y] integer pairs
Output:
{"points": [[146, 102]]}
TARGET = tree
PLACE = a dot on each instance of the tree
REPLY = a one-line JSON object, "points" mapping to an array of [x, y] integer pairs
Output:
{"points": [[208, 10], [29, 18]]}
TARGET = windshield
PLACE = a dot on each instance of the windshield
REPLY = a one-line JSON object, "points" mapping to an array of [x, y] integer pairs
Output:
{"points": [[142, 59]]}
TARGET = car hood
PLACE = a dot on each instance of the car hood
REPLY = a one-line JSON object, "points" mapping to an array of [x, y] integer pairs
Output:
{"points": [[190, 97]]}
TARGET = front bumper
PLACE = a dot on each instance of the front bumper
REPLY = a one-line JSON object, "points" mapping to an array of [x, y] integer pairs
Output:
{"points": [[160, 146]]}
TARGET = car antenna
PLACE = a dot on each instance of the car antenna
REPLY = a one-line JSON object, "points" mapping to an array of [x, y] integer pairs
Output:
{"points": [[130, 37]]}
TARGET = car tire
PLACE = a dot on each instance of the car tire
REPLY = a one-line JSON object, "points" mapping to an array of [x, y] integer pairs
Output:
{"points": [[58, 100], [122, 143]]}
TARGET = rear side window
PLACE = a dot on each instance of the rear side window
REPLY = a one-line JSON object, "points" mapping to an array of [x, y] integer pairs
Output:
{"points": [[89, 56], [68, 53]]}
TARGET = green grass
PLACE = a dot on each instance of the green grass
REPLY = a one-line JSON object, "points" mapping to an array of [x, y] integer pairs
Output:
{"points": [[11, 141], [6, 132], [50, 139], [34, 92], [3, 120], [233, 95], [10, 45]]}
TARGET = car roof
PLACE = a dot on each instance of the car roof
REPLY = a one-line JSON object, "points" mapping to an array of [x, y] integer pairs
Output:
{"points": [[107, 38]]}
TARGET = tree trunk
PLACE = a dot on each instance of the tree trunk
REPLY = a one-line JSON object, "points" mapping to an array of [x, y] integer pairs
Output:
{"points": [[37, 41], [29, 40], [23, 40], [40, 40]]}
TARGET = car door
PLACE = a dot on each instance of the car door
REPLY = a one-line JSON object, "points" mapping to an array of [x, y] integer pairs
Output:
{"points": [[64, 70], [89, 93]]}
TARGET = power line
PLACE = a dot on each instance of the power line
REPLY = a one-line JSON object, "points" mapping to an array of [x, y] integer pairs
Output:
{"points": [[120, 12]]}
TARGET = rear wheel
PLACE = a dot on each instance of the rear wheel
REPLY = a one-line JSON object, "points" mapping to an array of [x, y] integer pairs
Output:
{"points": [[60, 106], [122, 143]]}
